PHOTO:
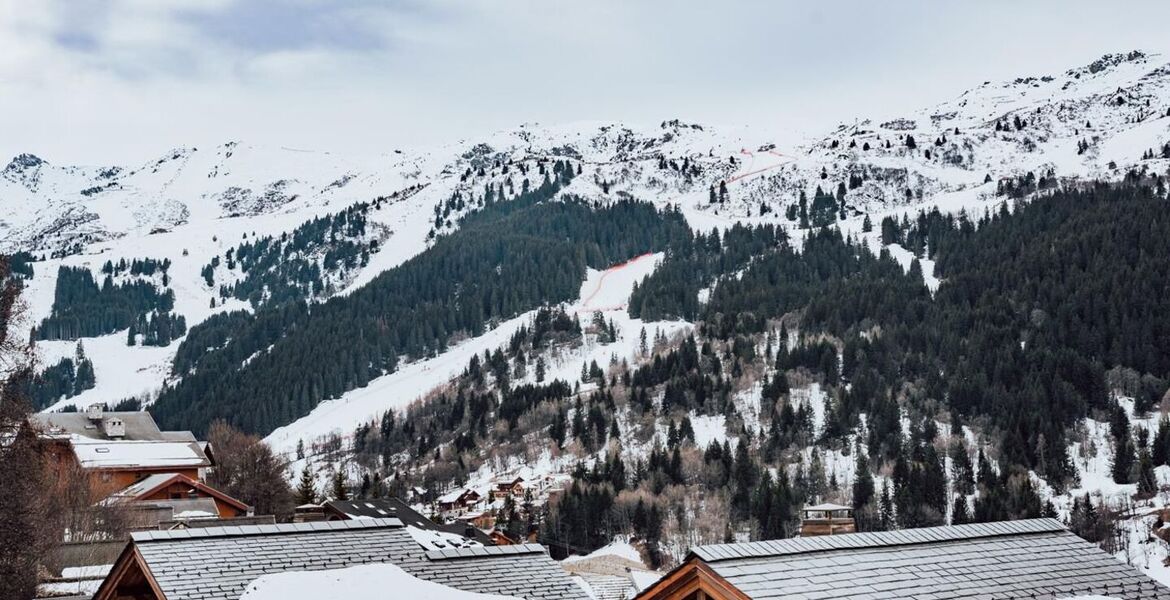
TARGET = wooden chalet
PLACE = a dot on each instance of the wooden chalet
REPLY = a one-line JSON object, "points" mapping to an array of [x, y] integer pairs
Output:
{"points": [[185, 497], [1036, 558], [119, 449], [458, 502], [509, 487]]}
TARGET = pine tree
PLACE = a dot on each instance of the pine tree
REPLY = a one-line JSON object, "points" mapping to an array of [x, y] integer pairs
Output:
{"points": [[339, 491], [960, 512], [863, 486], [1123, 457], [1160, 453], [1147, 483], [306, 488]]}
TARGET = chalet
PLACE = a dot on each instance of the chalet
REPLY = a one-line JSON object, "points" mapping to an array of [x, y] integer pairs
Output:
{"points": [[218, 563], [458, 502], [1036, 558], [178, 497], [510, 487], [381, 508], [119, 449], [482, 519]]}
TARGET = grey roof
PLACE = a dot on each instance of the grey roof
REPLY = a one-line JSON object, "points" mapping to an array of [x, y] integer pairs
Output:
{"points": [[474, 551], [219, 562], [393, 507], [139, 425], [1011, 559]]}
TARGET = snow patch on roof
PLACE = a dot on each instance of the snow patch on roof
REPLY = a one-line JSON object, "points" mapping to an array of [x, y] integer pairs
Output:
{"points": [[96, 454], [365, 582], [430, 539], [619, 549]]}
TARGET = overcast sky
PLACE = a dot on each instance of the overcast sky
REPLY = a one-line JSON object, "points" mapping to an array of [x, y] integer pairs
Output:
{"points": [[106, 81]]}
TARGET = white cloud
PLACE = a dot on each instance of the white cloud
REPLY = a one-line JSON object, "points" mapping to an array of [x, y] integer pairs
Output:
{"points": [[125, 79]]}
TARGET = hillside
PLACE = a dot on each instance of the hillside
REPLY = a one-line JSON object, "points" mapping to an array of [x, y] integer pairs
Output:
{"points": [[931, 317]]}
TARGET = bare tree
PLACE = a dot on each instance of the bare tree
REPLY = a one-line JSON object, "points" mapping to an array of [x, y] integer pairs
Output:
{"points": [[247, 469], [26, 514]]}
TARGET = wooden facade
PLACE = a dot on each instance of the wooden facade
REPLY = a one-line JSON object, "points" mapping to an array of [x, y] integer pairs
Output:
{"points": [[129, 579], [692, 580], [178, 486]]}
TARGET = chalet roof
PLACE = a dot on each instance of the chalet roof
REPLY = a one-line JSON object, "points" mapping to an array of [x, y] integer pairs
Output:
{"points": [[153, 483], [134, 454], [456, 495], [380, 508], [989, 560], [828, 506], [139, 425], [217, 563]]}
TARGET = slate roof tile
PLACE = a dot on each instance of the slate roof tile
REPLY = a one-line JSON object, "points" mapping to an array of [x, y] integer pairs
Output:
{"points": [[218, 563], [980, 561]]}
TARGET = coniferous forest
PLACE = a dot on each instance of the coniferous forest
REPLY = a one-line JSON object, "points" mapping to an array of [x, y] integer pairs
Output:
{"points": [[508, 257], [82, 308], [1043, 309]]}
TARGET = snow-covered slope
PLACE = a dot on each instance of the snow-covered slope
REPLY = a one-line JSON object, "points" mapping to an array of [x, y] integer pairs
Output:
{"points": [[192, 204]]}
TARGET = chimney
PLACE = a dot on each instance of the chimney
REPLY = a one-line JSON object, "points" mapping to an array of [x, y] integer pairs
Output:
{"points": [[115, 428], [94, 411]]}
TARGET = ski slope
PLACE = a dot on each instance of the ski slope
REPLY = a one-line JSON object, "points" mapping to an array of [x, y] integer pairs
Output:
{"points": [[605, 291]]}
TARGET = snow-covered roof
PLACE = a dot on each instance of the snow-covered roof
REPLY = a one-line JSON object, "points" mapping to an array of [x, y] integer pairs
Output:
{"points": [[455, 495], [109, 454], [362, 582], [434, 539], [618, 549], [828, 506]]}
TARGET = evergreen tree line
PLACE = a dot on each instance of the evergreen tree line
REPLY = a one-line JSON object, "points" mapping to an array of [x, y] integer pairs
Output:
{"points": [[67, 378], [672, 290], [505, 259], [296, 266], [83, 309]]}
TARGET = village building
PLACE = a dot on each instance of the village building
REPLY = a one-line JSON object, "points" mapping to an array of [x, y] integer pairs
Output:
{"points": [[1036, 558], [512, 487], [219, 563], [827, 519], [177, 497], [458, 502], [119, 449]]}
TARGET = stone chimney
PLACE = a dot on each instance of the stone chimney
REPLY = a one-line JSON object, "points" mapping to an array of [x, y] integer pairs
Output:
{"points": [[114, 427]]}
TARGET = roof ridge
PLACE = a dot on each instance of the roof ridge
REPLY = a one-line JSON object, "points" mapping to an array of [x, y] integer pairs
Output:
{"points": [[141, 537], [481, 551], [900, 537]]}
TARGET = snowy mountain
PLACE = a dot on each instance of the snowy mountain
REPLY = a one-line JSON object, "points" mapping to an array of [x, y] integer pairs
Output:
{"points": [[197, 207], [191, 204]]}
